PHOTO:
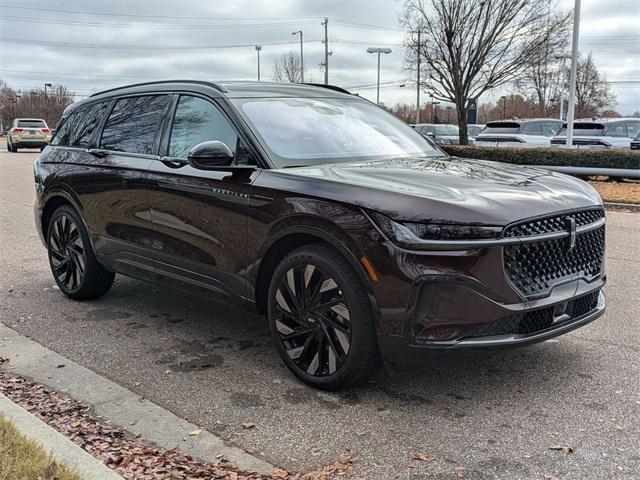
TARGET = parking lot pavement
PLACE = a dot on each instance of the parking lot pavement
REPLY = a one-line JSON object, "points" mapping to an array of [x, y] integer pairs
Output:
{"points": [[475, 416]]}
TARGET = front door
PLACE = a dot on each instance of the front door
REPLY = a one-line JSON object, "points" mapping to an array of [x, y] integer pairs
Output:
{"points": [[200, 216]]}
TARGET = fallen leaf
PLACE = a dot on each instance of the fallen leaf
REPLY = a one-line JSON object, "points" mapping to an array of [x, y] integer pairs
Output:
{"points": [[248, 425], [422, 457], [195, 432], [563, 448], [384, 413], [361, 434]]}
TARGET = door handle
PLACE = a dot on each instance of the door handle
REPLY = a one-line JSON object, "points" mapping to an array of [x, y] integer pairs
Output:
{"points": [[173, 162], [99, 153]]}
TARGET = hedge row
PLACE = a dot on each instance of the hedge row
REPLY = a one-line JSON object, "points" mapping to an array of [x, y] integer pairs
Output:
{"points": [[550, 156]]}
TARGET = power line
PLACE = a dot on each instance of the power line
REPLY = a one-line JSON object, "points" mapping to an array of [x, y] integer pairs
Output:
{"points": [[111, 46], [146, 16], [157, 25]]}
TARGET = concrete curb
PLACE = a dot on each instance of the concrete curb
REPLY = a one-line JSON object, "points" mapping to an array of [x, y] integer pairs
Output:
{"points": [[117, 404], [63, 450], [630, 206]]}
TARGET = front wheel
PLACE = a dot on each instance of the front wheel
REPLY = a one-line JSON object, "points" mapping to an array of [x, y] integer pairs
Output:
{"points": [[73, 262], [321, 319]]}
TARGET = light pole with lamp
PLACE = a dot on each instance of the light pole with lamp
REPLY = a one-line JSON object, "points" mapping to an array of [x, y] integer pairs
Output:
{"points": [[504, 106], [301, 56], [258, 48], [378, 50]]}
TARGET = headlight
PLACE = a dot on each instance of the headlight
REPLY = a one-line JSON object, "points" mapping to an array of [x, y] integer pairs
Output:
{"points": [[426, 235]]}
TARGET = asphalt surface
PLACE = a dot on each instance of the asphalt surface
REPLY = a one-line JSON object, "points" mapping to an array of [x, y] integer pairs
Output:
{"points": [[486, 415]]}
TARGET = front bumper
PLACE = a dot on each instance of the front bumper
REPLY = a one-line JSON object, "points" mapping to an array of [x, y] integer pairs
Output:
{"points": [[399, 348]]}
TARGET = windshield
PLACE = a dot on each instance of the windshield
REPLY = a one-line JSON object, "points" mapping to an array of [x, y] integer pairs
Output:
{"points": [[312, 131], [446, 130], [31, 123]]}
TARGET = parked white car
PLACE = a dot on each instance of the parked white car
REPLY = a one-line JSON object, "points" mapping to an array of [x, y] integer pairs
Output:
{"points": [[519, 133], [600, 133]]}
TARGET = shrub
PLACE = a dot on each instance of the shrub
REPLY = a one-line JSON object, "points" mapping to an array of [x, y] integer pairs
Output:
{"points": [[550, 156]]}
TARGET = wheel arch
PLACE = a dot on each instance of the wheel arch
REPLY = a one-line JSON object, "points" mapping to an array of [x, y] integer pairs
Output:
{"points": [[296, 236], [54, 200]]}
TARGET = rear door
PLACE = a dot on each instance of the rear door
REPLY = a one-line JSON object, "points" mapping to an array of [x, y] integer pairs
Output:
{"points": [[115, 188], [200, 216]]}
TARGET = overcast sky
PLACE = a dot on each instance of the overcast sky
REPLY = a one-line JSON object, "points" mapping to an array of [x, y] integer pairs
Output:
{"points": [[63, 42]]}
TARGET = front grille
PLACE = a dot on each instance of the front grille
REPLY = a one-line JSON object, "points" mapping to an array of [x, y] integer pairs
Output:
{"points": [[534, 268], [536, 320]]}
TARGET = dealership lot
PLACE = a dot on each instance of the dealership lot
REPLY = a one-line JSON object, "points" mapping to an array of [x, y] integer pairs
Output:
{"points": [[477, 416]]}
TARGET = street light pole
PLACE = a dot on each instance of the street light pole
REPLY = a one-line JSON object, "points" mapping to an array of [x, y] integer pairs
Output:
{"points": [[574, 67], [378, 50], [504, 106], [258, 48], [301, 56], [418, 81]]}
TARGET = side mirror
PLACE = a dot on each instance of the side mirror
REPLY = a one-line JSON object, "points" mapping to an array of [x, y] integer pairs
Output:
{"points": [[210, 155]]}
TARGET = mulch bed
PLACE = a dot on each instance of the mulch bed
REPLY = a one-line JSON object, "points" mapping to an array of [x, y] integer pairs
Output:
{"points": [[623, 192], [129, 455]]}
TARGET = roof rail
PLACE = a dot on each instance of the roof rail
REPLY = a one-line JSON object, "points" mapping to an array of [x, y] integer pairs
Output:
{"points": [[160, 82], [330, 87]]}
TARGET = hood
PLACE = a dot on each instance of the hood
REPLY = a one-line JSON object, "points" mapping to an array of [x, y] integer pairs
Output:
{"points": [[447, 189]]}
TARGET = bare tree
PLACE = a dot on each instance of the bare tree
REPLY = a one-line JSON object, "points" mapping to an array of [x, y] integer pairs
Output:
{"points": [[541, 77], [287, 68], [593, 93], [471, 46], [33, 103]]}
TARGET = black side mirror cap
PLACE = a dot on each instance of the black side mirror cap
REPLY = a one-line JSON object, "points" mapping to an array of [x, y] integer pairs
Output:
{"points": [[210, 155]]}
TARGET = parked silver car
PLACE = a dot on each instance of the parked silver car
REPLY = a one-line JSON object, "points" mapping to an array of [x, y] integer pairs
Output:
{"points": [[535, 132], [28, 133], [440, 133]]}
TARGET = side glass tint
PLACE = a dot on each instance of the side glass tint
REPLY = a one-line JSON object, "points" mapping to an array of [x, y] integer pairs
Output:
{"points": [[87, 123], [65, 128], [196, 121], [133, 124], [532, 129]]}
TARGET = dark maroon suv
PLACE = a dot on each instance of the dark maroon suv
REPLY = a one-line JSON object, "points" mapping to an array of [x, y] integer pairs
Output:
{"points": [[355, 236]]}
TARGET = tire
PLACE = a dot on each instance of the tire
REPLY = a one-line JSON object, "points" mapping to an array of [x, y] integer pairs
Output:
{"points": [[73, 263], [321, 319]]}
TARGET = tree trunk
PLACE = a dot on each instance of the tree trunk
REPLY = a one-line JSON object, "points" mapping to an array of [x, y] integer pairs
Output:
{"points": [[461, 108]]}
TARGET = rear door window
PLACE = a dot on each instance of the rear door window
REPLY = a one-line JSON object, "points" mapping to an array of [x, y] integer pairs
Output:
{"points": [[196, 121], [617, 129], [133, 124], [533, 128]]}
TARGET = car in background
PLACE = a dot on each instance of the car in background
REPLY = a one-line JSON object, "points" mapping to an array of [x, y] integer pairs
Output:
{"points": [[535, 132], [442, 134], [635, 144], [600, 133], [474, 129], [28, 133]]}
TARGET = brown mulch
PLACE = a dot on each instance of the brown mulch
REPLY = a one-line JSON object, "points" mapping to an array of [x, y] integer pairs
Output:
{"points": [[130, 456], [622, 192]]}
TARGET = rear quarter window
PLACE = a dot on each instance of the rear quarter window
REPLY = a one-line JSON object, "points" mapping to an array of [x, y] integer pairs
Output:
{"points": [[78, 128]]}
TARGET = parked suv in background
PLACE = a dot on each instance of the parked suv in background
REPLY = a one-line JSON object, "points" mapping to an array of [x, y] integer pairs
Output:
{"points": [[600, 133], [28, 133], [354, 235], [518, 133], [442, 134], [635, 144]]}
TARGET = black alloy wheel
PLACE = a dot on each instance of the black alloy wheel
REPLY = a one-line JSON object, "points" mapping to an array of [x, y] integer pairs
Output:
{"points": [[314, 321], [75, 267], [68, 255], [321, 318]]}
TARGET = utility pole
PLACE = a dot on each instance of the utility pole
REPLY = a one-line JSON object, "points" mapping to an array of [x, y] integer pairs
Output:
{"points": [[325, 23], [504, 106], [301, 56], [571, 108], [418, 81], [258, 48]]}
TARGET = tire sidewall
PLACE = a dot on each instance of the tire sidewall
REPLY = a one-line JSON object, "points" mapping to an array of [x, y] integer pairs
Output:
{"points": [[361, 318], [70, 212]]}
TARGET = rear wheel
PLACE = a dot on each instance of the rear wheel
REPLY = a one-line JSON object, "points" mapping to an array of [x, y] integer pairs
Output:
{"points": [[73, 263], [321, 320]]}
